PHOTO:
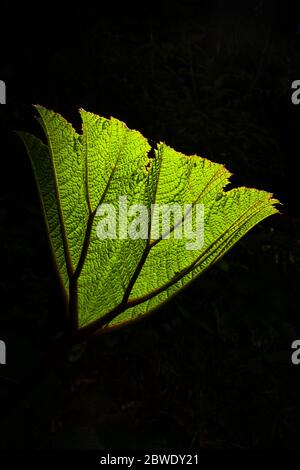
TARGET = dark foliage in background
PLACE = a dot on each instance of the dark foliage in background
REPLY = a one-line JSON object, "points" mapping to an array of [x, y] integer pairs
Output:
{"points": [[211, 369]]}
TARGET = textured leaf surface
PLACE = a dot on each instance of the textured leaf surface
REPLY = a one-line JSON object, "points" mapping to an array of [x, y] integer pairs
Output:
{"points": [[111, 281]]}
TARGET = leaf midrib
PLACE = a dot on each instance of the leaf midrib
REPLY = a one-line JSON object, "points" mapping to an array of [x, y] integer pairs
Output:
{"points": [[92, 214], [60, 214]]}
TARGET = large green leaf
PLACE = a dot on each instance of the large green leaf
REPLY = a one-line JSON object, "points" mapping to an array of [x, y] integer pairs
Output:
{"points": [[110, 281]]}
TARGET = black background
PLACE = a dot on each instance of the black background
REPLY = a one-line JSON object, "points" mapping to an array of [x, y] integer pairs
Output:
{"points": [[212, 369]]}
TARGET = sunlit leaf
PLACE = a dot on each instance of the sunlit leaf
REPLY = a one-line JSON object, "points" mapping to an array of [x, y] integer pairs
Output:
{"points": [[110, 281]]}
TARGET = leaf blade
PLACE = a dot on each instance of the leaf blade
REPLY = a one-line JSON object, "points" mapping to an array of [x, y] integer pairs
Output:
{"points": [[115, 280]]}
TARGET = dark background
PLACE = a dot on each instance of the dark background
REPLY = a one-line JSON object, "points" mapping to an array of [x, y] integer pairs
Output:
{"points": [[212, 369]]}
